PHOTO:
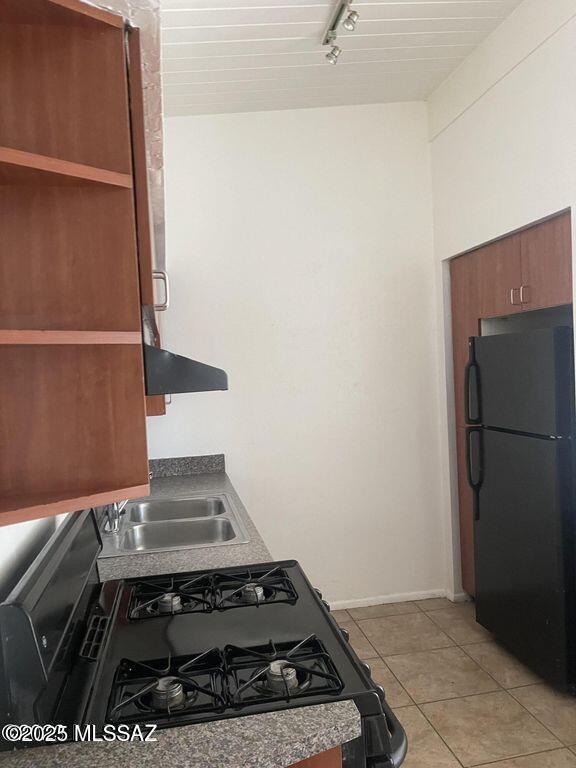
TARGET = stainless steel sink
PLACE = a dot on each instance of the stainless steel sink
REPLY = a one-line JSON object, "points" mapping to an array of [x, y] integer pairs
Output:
{"points": [[154, 525], [175, 509], [172, 534]]}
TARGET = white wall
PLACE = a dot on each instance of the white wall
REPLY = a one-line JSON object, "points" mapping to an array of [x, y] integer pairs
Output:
{"points": [[299, 247], [510, 157], [503, 133]]}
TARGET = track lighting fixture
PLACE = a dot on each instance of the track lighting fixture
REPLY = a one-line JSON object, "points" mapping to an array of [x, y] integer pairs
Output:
{"points": [[342, 15], [332, 55], [349, 22]]}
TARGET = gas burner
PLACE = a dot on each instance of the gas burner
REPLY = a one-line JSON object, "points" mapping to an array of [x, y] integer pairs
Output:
{"points": [[252, 593], [169, 602], [284, 671], [168, 694], [169, 689], [167, 596], [280, 677], [256, 586]]}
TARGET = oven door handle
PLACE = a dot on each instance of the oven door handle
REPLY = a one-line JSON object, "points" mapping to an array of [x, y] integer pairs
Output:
{"points": [[385, 742]]}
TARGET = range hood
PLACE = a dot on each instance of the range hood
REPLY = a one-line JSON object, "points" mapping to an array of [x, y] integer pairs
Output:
{"points": [[168, 373]]}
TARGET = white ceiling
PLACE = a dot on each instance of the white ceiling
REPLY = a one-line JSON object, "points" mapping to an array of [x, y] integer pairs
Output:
{"points": [[251, 55]]}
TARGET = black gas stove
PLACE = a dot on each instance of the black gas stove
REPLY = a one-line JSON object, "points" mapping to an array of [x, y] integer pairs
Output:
{"points": [[178, 649]]}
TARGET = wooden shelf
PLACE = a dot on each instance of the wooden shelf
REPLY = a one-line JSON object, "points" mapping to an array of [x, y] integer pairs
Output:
{"points": [[18, 167], [70, 337], [16, 509]]}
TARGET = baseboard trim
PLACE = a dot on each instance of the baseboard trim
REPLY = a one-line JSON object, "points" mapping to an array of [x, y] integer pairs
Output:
{"points": [[364, 602], [458, 597]]}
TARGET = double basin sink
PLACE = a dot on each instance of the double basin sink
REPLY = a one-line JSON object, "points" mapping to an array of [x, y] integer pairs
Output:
{"points": [[152, 525]]}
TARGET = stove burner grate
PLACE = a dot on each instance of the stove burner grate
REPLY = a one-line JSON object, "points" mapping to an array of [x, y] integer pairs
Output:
{"points": [[175, 690], [280, 672], [179, 687], [254, 587], [168, 596]]}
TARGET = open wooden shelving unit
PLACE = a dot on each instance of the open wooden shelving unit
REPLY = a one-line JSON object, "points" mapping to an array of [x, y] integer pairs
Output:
{"points": [[72, 403]]}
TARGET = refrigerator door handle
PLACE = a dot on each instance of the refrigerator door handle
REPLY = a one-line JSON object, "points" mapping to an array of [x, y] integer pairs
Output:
{"points": [[472, 393], [475, 464]]}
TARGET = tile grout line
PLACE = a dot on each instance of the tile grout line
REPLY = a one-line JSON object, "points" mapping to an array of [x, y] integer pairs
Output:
{"points": [[501, 688], [507, 690], [381, 658], [450, 698], [498, 683], [419, 708], [411, 613], [399, 683], [559, 740], [529, 754]]}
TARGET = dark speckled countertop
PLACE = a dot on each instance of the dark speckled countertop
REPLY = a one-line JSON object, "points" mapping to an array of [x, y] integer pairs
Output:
{"points": [[272, 740]]}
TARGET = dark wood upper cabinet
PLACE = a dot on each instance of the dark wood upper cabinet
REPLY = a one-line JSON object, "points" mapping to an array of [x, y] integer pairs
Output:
{"points": [[497, 271], [547, 263], [72, 405], [524, 271]]}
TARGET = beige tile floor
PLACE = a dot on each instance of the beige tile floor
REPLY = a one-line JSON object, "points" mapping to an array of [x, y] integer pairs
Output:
{"points": [[463, 700]]}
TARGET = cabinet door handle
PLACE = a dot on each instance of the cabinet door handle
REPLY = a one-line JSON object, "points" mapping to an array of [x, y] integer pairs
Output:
{"points": [[160, 274], [513, 293], [524, 294]]}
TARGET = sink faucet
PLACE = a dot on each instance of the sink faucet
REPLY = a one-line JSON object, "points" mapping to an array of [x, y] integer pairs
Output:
{"points": [[113, 512]]}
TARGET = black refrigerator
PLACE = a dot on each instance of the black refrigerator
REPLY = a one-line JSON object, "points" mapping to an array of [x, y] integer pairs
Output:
{"points": [[520, 407]]}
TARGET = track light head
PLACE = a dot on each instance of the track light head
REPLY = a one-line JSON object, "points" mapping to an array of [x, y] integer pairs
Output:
{"points": [[350, 21], [332, 55]]}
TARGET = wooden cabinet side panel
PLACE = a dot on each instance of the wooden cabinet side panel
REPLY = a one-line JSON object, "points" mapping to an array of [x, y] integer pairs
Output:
{"points": [[465, 319], [547, 263], [330, 759], [155, 404], [465, 299]]}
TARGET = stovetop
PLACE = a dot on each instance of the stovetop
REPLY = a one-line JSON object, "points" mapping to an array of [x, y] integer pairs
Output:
{"points": [[169, 658], [177, 649]]}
